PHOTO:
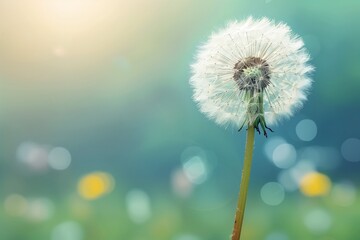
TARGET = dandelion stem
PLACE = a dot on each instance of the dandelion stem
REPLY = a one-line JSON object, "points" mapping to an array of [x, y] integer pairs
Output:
{"points": [[244, 185]]}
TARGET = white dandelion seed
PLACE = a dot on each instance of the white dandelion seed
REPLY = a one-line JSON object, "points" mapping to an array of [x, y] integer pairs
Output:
{"points": [[251, 71]]}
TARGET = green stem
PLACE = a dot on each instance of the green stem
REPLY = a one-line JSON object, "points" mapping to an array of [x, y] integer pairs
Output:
{"points": [[244, 185]]}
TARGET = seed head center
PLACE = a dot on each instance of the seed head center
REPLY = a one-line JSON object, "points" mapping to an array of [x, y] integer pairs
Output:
{"points": [[252, 74]]}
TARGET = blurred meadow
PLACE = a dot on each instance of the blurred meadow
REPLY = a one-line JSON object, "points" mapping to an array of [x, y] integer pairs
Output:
{"points": [[100, 138]]}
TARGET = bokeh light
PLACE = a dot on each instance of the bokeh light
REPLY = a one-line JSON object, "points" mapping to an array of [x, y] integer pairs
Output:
{"points": [[69, 230], [271, 144], [95, 185], [306, 130], [39, 209], [315, 184], [195, 169], [196, 164], [59, 158], [350, 149], [284, 155], [272, 193], [318, 220], [181, 184], [33, 209], [33, 155], [138, 206]]}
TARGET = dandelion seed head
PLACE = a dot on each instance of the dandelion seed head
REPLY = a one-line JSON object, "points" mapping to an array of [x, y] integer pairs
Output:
{"points": [[251, 70]]}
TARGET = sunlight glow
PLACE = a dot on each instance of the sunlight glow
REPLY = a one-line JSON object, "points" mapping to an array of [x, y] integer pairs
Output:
{"points": [[67, 9]]}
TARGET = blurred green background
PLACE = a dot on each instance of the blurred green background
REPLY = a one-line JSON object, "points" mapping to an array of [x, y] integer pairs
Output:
{"points": [[100, 138]]}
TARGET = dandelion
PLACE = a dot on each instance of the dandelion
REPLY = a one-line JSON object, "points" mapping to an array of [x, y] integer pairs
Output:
{"points": [[252, 73], [249, 72]]}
